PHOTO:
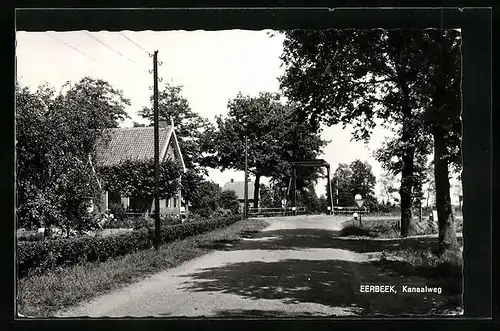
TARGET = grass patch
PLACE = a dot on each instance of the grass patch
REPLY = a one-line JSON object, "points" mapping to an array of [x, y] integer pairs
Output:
{"points": [[384, 227], [45, 294], [444, 271], [354, 230], [427, 263]]}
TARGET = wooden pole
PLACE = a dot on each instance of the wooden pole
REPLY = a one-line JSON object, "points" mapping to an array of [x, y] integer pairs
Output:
{"points": [[157, 151], [330, 195], [245, 215], [295, 190]]}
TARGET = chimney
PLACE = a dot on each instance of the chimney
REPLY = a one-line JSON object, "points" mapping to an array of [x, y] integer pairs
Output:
{"points": [[162, 124], [232, 180]]}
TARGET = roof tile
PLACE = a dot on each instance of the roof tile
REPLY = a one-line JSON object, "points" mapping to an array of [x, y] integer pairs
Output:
{"points": [[130, 144]]}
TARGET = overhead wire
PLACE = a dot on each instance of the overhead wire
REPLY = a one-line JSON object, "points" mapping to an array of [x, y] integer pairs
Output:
{"points": [[72, 47], [111, 48], [133, 42]]}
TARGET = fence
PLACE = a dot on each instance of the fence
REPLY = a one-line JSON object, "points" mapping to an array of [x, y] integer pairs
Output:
{"points": [[275, 211], [337, 210]]}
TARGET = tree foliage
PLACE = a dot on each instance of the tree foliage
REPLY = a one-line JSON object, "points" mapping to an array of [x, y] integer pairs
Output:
{"points": [[275, 138], [308, 198], [136, 178], [408, 77], [206, 199], [190, 126], [351, 179], [229, 200], [56, 135], [190, 183], [389, 188]]}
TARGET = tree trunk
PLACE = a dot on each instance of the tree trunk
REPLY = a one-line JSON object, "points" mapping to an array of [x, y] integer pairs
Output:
{"points": [[446, 221], [256, 191], [405, 190]]}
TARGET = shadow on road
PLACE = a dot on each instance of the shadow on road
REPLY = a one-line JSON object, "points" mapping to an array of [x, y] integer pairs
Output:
{"points": [[318, 238], [334, 283], [328, 282]]}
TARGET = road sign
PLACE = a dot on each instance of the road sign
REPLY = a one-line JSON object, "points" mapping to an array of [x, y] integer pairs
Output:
{"points": [[359, 200], [283, 202]]}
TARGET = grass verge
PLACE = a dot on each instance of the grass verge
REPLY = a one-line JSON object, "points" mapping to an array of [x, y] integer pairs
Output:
{"points": [[427, 263], [356, 231], [444, 271], [43, 295]]}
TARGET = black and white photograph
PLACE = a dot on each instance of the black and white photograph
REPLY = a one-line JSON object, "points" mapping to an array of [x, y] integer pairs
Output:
{"points": [[239, 173]]}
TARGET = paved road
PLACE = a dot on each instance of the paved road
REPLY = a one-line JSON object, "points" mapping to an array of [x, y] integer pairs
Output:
{"points": [[296, 266]]}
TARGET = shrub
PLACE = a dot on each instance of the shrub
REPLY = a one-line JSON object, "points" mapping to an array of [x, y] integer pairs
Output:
{"points": [[353, 230], [37, 257], [148, 221], [127, 222], [31, 236], [117, 210]]}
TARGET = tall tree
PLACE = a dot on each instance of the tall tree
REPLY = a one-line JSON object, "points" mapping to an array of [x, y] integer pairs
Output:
{"points": [[341, 185], [388, 187], [363, 181], [440, 82], [307, 197], [352, 179], [190, 126], [267, 199], [390, 155], [353, 76], [272, 130], [56, 139], [206, 198], [229, 200]]}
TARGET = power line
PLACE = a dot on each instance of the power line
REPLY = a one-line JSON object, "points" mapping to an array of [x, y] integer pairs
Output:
{"points": [[65, 43], [114, 50], [133, 42]]}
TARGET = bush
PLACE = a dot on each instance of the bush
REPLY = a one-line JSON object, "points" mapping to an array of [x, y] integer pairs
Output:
{"points": [[353, 230], [149, 221], [117, 210], [31, 236], [37, 257], [127, 222]]}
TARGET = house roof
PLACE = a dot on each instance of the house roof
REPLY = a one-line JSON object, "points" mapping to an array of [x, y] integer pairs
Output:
{"points": [[239, 188], [135, 144]]}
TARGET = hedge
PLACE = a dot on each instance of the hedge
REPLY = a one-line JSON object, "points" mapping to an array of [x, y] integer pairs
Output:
{"points": [[40, 256]]}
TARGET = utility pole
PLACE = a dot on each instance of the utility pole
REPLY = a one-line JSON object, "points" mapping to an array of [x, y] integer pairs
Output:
{"points": [[245, 214], [157, 151], [330, 195], [337, 192], [295, 190]]}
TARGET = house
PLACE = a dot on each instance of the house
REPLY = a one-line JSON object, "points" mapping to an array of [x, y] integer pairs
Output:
{"points": [[239, 188], [138, 144]]}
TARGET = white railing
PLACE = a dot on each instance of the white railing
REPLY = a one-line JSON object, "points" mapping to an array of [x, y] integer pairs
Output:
{"points": [[276, 211], [349, 210]]}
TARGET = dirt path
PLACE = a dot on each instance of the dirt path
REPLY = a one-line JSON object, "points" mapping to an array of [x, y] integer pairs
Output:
{"points": [[295, 266]]}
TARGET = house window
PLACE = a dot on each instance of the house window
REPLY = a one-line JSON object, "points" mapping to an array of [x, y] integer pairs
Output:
{"points": [[138, 204], [114, 198], [175, 202]]}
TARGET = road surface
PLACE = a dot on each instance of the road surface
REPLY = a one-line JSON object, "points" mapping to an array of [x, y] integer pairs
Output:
{"points": [[297, 266]]}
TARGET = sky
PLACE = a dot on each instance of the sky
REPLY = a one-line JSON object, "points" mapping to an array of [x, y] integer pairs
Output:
{"points": [[212, 67]]}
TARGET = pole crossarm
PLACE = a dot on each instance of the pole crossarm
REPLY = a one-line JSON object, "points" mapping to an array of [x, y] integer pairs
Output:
{"points": [[311, 163]]}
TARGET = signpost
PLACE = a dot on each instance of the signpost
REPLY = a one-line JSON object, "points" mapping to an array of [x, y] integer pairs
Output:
{"points": [[359, 201]]}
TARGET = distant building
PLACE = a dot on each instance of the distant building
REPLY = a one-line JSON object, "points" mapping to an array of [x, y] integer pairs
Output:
{"points": [[239, 188]]}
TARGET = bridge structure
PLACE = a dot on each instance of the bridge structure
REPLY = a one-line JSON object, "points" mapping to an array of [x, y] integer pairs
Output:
{"points": [[310, 163]]}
